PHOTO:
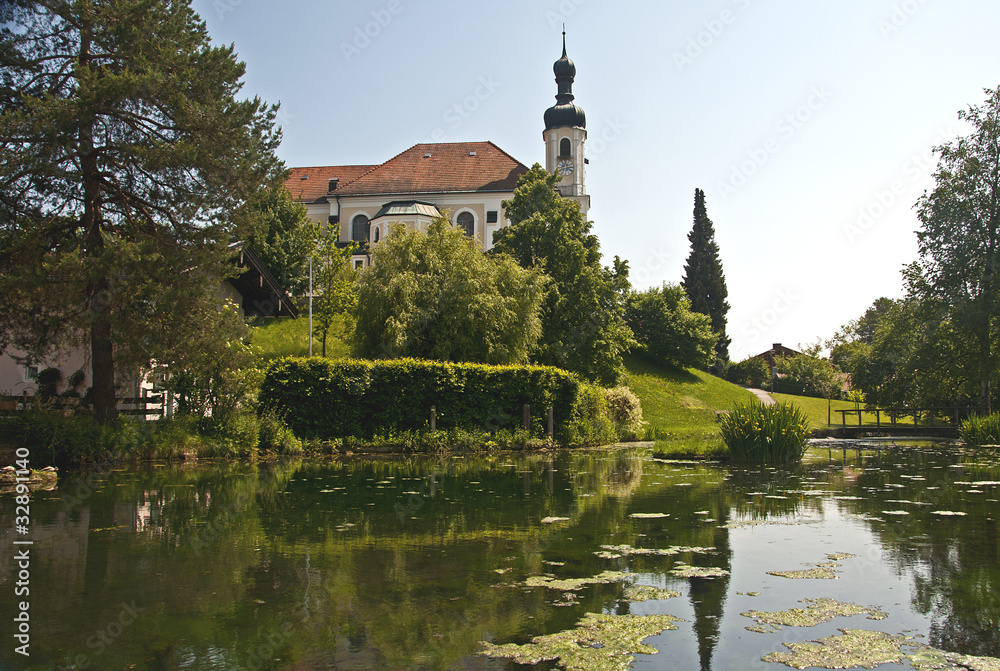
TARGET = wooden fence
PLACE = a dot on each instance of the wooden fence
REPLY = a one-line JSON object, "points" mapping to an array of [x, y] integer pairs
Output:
{"points": [[144, 407]]}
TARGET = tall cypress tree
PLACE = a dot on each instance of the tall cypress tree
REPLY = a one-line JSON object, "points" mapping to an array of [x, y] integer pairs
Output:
{"points": [[704, 281]]}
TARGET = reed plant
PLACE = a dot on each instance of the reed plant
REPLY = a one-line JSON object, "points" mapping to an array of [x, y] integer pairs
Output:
{"points": [[979, 430], [760, 433]]}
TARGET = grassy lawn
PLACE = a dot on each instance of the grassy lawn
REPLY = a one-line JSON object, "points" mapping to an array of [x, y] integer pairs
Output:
{"points": [[816, 410], [679, 407], [290, 337]]}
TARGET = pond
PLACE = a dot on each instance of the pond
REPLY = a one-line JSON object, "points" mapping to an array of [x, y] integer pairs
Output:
{"points": [[415, 563]]}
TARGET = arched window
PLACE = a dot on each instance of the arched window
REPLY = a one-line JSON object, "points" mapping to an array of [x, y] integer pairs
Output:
{"points": [[467, 222], [359, 228], [565, 149]]}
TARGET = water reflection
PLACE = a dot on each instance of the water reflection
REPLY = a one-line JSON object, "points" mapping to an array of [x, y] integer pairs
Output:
{"points": [[408, 564]]}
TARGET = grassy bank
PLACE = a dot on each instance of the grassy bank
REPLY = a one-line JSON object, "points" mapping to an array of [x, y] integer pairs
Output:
{"points": [[680, 406]]}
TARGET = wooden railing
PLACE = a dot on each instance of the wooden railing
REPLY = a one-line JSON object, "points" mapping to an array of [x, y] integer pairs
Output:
{"points": [[894, 413], [143, 406]]}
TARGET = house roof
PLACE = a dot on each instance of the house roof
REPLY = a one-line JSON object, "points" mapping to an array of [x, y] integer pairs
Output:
{"points": [[310, 185], [451, 167], [403, 208]]}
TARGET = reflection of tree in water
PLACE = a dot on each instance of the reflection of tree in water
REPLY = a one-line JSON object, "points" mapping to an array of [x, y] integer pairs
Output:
{"points": [[708, 595], [954, 560]]}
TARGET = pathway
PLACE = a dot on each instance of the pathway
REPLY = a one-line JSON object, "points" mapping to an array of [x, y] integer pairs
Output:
{"points": [[764, 397]]}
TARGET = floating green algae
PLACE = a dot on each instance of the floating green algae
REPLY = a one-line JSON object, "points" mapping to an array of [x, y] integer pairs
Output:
{"points": [[554, 520], [868, 649], [856, 647], [818, 573], [817, 612], [649, 516], [639, 593], [598, 643], [619, 551], [572, 584], [686, 571], [840, 556]]}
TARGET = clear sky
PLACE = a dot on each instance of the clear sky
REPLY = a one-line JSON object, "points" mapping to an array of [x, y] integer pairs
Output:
{"points": [[808, 124]]}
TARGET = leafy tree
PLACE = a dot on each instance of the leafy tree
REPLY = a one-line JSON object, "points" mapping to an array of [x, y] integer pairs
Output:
{"points": [[125, 156], [704, 282], [959, 240], [583, 325], [667, 329], [751, 372], [434, 295], [283, 236], [334, 284], [809, 374]]}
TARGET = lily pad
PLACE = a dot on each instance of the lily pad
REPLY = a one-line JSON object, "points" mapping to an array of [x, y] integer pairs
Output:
{"points": [[598, 643], [616, 551]]}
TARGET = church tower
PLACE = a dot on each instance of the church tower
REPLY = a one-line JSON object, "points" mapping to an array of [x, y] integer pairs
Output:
{"points": [[565, 134]]}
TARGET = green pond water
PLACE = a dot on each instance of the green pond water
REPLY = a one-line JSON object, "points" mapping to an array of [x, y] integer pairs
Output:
{"points": [[418, 563]]}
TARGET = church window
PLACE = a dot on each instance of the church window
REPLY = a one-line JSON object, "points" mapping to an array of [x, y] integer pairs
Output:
{"points": [[565, 150], [467, 222], [491, 217], [359, 228]]}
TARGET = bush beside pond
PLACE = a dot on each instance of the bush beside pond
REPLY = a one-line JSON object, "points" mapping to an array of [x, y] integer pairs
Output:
{"points": [[979, 430], [333, 399], [761, 433]]}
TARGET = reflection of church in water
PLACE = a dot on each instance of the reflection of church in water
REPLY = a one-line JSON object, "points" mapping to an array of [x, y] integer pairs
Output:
{"points": [[467, 180]]}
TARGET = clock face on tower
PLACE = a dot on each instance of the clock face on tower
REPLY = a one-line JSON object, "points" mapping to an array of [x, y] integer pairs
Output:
{"points": [[564, 167]]}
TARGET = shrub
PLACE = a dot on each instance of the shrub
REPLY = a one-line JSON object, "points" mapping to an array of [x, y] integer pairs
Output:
{"points": [[624, 410], [321, 398], [765, 433], [48, 381], [979, 430], [751, 372], [275, 436]]}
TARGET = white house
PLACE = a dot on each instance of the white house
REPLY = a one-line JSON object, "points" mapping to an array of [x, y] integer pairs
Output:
{"points": [[469, 180]]}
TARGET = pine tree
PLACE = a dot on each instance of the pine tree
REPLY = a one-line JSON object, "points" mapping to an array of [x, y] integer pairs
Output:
{"points": [[125, 160], [704, 281]]}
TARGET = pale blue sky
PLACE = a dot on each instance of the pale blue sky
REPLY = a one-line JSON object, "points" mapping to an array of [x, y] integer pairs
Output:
{"points": [[792, 116]]}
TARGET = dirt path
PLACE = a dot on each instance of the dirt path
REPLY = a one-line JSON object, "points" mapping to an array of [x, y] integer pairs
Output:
{"points": [[764, 397]]}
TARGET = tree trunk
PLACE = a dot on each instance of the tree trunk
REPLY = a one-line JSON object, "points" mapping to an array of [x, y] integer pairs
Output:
{"points": [[102, 363]]}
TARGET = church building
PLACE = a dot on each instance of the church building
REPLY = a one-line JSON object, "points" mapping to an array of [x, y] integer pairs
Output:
{"points": [[469, 180]]}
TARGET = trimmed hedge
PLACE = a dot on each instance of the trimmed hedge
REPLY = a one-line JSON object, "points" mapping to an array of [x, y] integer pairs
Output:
{"points": [[329, 399]]}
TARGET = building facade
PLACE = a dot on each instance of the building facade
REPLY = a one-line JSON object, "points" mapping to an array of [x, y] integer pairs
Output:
{"points": [[467, 180]]}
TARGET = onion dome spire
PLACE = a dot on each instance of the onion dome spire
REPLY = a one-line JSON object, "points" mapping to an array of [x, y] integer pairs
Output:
{"points": [[564, 113]]}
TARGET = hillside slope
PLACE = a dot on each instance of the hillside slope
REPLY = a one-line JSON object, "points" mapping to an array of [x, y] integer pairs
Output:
{"points": [[680, 404]]}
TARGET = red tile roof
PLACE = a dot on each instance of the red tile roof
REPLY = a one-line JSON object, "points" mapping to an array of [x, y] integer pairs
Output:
{"points": [[308, 185], [451, 167]]}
